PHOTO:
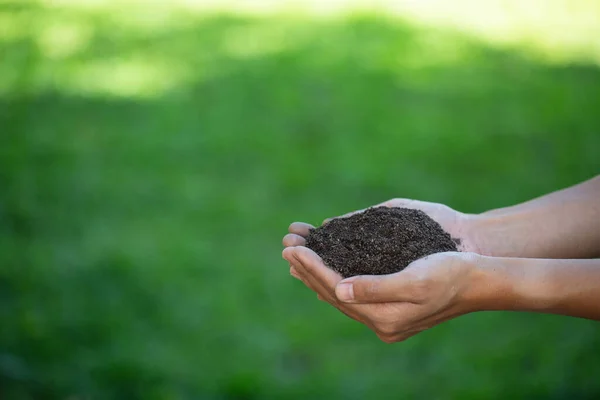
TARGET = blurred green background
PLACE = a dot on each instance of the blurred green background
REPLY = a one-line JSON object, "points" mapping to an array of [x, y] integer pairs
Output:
{"points": [[153, 154]]}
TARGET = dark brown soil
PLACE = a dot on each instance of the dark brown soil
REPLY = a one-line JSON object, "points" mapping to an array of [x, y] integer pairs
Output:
{"points": [[379, 241]]}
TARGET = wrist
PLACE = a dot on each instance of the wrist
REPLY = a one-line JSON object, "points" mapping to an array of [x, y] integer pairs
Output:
{"points": [[482, 284], [497, 234], [513, 284], [477, 233]]}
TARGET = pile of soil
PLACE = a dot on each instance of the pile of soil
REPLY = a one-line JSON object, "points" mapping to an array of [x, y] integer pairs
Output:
{"points": [[379, 241]]}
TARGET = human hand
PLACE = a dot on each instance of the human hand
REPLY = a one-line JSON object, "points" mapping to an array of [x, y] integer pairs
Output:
{"points": [[429, 291], [457, 224]]}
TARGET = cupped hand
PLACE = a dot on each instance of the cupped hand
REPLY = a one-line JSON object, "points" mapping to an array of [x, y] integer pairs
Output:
{"points": [[392, 317], [429, 291]]}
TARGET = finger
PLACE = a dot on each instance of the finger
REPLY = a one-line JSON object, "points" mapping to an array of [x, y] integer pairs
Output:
{"points": [[427, 207], [300, 228], [326, 220], [294, 273], [401, 286], [315, 285], [305, 261], [324, 295], [291, 239], [314, 266], [404, 203], [325, 292], [319, 278], [287, 255], [324, 280]]}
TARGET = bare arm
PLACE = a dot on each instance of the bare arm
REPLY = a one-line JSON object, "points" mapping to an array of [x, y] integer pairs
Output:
{"points": [[563, 224], [520, 258], [566, 287]]}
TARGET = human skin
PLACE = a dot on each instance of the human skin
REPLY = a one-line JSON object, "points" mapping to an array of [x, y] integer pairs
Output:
{"points": [[520, 258]]}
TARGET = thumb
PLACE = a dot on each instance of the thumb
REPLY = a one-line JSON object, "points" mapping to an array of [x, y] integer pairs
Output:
{"points": [[376, 288]]}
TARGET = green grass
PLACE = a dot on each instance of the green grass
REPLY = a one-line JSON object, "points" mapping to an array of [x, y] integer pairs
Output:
{"points": [[140, 226]]}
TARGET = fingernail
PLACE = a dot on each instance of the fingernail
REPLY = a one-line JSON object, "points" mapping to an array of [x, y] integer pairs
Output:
{"points": [[345, 291]]}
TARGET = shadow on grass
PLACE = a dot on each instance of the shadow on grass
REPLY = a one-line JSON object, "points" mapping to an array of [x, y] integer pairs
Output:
{"points": [[149, 171]]}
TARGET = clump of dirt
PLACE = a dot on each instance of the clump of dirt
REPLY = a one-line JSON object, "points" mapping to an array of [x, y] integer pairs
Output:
{"points": [[378, 241]]}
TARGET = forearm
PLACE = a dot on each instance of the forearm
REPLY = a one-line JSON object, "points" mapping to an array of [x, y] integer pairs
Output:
{"points": [[566, 287], [563, 224]]}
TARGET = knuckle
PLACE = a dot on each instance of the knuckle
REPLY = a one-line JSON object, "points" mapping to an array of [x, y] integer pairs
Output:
{"points": [[288, 239], [361, 289], [294, 227], [368, 289]]}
